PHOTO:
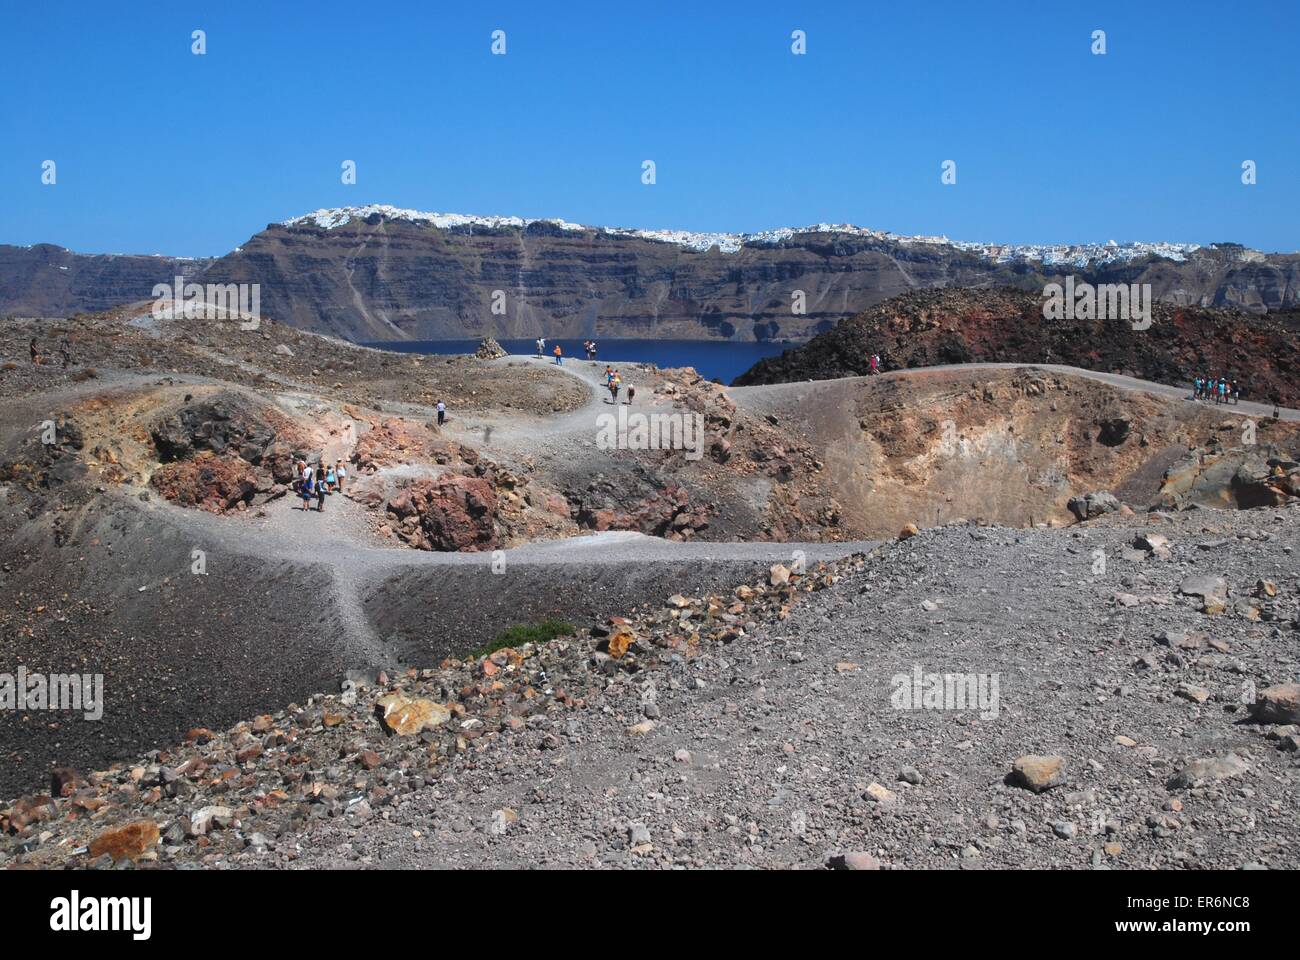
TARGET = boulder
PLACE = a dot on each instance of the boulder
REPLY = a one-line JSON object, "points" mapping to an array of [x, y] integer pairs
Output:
{"points": [[449, 513], [1038, 773], [1209, 770], [619, 641], [206, 819], [1154, 543], [1277, 704], [1093, 505], [406, 716], [128, 842]]}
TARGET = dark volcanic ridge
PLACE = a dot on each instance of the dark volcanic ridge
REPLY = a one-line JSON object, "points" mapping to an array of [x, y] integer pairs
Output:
{"points": [[934, 327]]}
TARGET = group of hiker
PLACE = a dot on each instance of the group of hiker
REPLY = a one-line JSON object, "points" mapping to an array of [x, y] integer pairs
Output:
{"points": [[316, 482], [1216, 389], [558, 353], [874, 363], [588, 346], [614, 382]]}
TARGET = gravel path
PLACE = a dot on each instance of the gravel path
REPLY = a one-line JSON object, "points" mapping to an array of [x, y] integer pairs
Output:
{"points": [[756, 397]]}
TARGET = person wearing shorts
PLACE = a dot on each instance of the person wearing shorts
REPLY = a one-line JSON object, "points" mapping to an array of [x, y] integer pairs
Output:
{"points": [[305, 489]]}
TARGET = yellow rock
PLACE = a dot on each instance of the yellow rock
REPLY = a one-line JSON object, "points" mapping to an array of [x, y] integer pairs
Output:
{"points": [[407, 716], [880, 794], [619, 641]]}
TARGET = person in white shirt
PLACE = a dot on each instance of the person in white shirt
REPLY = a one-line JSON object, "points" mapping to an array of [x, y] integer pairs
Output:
{"points": [[442, 412], [306, 489]]}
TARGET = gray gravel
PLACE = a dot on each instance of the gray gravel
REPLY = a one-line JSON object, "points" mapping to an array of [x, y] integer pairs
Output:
{"points": [[784, 749]]}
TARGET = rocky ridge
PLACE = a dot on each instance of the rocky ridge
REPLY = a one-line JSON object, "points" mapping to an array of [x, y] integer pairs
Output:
{"points": [[934, 327]]}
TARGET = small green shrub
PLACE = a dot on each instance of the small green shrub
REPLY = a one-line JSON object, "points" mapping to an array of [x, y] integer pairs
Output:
{"points": [[521, 633]]}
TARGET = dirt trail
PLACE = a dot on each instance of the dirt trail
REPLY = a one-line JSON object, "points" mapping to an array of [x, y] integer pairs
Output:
{"points": [[504, 432], [756, 397]]}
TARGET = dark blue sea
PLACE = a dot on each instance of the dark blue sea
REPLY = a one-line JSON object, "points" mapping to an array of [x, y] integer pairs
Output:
{"points": [[721, 359]]}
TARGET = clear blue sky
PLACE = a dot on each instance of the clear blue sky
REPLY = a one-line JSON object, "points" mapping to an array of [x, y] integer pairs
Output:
{"points": [[159, 150]]}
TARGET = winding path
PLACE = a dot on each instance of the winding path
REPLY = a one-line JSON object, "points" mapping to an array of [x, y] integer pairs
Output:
{"points": [[753, 395]]}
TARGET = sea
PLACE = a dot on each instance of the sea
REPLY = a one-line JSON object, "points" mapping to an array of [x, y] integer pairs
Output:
{"points": [[722, 360]]}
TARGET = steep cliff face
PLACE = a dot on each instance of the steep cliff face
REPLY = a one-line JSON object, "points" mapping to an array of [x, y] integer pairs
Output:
{"points": [[390, 274], [48, 281], [379, 278]]}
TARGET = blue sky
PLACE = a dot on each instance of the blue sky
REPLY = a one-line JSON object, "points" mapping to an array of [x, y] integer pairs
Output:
{"points": [[159, 150]]}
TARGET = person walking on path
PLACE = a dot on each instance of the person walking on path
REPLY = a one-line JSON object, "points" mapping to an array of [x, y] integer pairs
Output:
{"points": [[541, 347], [320, 487], [331, 480], [341, 473], [1196, 388], [36, 353], [631, 392], [305, 490], [442, 413], [875, 363], [559, 356], [616, 385]]}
